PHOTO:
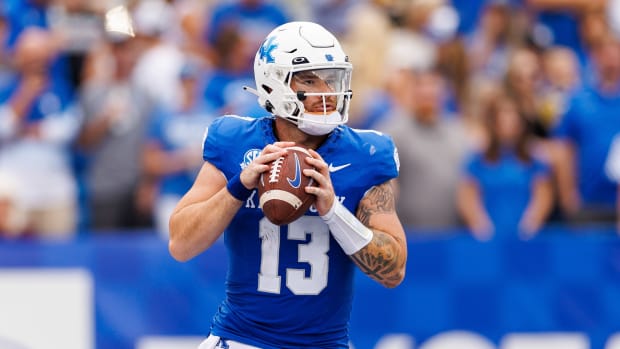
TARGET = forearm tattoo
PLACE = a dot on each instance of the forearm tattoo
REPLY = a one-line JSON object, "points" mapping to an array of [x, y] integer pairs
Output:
{"points": [[381, 259]]}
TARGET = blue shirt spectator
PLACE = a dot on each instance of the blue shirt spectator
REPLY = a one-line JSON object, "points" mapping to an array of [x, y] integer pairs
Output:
{"points": [[506, 187], [224, 91], [233, 62], [172, 150], [254, 18], [38, 122], [590, 123], [23, 14], [180, 131], [57, 96], [470, 11], [563, 27]]}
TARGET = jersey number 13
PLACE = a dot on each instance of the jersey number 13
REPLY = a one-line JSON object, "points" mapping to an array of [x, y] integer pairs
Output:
{"points": [[314, 253]]}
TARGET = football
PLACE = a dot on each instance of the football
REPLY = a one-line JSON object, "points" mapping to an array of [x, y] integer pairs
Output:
{"points": [[281, 192]]}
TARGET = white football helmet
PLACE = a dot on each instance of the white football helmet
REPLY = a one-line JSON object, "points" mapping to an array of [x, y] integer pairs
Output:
{"points": [[303, 47]]}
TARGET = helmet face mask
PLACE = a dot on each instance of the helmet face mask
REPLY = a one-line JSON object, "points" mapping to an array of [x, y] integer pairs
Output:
{"points": [[302, 62]]}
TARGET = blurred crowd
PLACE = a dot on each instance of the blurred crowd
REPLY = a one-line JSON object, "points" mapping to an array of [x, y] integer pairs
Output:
{"points": [[505, 112]]}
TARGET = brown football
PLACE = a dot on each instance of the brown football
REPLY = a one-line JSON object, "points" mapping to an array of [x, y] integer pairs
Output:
{"points": [[281, 192]]}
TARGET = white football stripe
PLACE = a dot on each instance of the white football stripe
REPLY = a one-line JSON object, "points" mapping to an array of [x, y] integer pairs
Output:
{"points": [[280, 195], [303, 150]]}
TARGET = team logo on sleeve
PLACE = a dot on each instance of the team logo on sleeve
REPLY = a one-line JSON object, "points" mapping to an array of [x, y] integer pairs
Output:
{"points": [[249, 156]]}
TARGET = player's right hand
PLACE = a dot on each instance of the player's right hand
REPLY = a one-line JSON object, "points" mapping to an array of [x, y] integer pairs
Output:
{"points": [[324, 191], [250, 175]]}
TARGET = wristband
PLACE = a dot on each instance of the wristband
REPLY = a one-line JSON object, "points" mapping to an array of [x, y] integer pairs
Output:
{"points": [[237, 189], [346, 229]]}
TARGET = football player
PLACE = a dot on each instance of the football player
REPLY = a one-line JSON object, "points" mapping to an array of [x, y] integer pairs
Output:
{"points": [[292, 286]]}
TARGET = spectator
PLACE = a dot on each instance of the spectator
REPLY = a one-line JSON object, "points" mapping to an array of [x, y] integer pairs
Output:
{"points": [[23, 14], [191, 26], [524, 82], [612, 171], [432, 147], [254, 19], [404, 51], [6, 70], [435, 22], [234, 31], [160, 61], [172, 151], [584, 135], [593, 28], [561, 79], [506, 189], [452, 60], [58, 18], [489, 45], [78, 26], [231, 71], [330, 14], [556, 22], [12, 215], [371, 67], [38, 121], [115, 113]]}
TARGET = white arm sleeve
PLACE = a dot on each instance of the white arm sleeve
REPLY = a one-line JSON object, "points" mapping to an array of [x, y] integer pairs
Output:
{"points": [[348, 231]]}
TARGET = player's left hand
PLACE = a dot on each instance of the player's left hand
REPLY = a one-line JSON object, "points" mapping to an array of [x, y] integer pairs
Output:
{"points": [[324, 191], [250, 174]]}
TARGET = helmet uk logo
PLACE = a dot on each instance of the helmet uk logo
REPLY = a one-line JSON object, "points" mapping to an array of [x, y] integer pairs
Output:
{"points": [[329, 58], [266, 49], [248, 157]]}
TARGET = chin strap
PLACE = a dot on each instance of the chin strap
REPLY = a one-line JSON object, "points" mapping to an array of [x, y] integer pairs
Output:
{"points": [[348, 231]]}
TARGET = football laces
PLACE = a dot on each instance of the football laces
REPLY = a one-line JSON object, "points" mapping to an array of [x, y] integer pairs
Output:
{"points": [[275, 170]]}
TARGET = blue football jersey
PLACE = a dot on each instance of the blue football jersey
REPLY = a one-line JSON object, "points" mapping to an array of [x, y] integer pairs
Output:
{"points": [[292, 286]]}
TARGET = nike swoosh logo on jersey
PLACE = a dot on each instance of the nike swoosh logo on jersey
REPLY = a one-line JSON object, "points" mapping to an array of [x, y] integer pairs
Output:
{"points": [[333, 168], [296, 181]]}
